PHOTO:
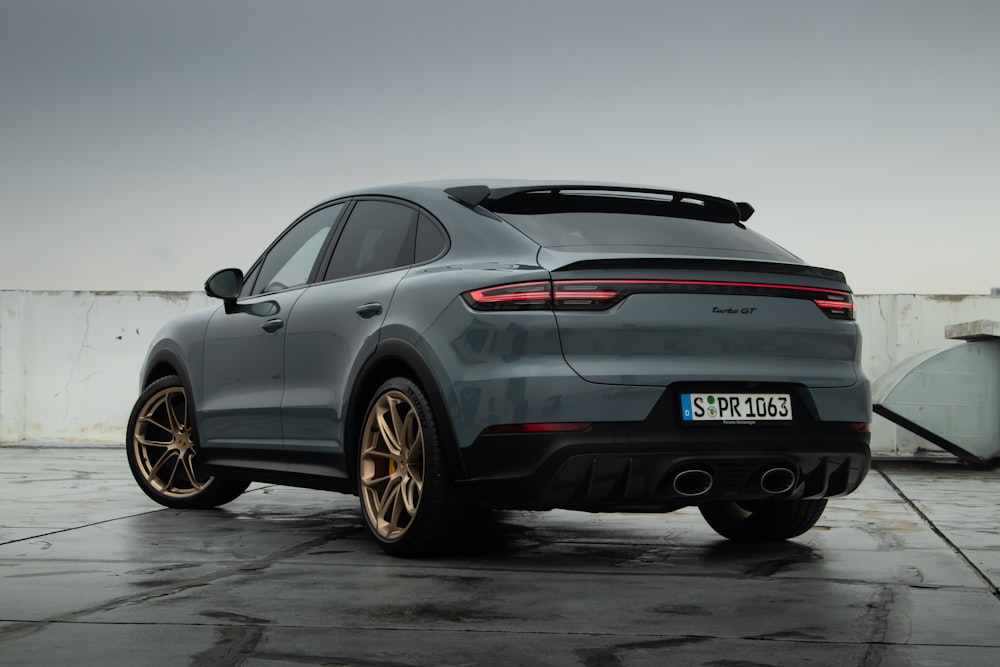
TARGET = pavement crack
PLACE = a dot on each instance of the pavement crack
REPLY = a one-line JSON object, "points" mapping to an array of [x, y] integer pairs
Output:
{"points": [[877, 619], [937, 531], [80, 527]]}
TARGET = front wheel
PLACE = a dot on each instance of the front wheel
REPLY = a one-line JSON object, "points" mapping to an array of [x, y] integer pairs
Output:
{"points": [[762, 521], [408, 500], [162, 450]]}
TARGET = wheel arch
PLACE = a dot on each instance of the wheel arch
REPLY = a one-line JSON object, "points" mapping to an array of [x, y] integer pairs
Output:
{"points": [[393, 358], [162, 363]]}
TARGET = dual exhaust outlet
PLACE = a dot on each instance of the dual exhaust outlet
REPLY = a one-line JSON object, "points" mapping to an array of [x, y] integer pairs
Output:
{"points": [[692, 482]]}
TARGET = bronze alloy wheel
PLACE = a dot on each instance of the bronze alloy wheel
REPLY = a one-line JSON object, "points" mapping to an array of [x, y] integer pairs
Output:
{"points": [[392, 465], [164, 448]]}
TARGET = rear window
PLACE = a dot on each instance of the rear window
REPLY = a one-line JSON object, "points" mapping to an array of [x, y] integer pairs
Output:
{"points": [[604, 229]]}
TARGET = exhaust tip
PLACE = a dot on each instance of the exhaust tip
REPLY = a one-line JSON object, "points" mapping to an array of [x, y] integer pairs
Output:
{"points": [[777, 480], [693, 482]]}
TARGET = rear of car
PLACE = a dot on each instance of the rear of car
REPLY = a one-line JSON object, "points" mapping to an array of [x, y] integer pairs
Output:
{"points": [[743, 360]]}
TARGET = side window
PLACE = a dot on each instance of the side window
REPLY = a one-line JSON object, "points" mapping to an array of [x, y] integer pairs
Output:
{"points": [[291, 260], [378, 236], [431, 241]]}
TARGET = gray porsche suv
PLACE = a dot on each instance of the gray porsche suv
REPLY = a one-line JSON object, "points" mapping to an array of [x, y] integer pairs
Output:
{"points": [[442, 349]]}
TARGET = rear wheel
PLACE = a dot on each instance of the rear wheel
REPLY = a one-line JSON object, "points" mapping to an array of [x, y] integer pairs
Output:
{"points": [[763, 521], [408, 500], [162, 451]]}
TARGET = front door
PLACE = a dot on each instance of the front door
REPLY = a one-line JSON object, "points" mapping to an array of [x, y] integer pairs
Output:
{"points": [[240, 419]]}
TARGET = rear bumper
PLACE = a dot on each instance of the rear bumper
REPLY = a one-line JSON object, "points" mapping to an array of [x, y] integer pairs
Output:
{"points": [[632, 466]]}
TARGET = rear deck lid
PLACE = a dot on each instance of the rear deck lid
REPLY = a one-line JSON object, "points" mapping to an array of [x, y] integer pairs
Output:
{"points": [[653, 290]]}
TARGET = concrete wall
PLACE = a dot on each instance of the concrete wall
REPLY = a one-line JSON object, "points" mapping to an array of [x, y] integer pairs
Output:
{"points": [[69, 361], [896, 327]]}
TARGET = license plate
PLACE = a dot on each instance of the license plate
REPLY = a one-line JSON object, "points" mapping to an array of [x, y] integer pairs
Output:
{"points": [[736, 408]]}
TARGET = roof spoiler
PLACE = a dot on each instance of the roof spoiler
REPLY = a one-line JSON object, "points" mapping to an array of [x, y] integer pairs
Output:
{"points": [[745, 209], [474, 195]]}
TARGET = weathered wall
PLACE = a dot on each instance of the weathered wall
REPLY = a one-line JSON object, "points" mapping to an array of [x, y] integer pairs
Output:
{"points": [[69, 361], [11, 366], [896, 327]]}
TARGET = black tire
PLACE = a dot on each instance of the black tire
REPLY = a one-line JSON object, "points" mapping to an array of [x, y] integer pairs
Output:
{"points": [[408, 500], [763, 521], [162, 449]]}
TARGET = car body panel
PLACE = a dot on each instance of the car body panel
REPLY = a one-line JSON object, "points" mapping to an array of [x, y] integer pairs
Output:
{"points": [[244, 374], [326, 339], [178, 347], [532, 381]]}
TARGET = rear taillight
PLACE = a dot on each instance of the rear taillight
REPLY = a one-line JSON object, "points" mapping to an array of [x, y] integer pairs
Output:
{"points": [[602, 294], [838, 306], [517, 296]]}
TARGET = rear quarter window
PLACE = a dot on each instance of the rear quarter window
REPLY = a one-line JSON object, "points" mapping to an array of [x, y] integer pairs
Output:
{"points": [[431, 241]]}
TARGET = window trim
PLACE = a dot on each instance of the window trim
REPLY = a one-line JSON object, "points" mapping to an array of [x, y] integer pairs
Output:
{"points": [[326, 253], [247, 291], [341, 224]]}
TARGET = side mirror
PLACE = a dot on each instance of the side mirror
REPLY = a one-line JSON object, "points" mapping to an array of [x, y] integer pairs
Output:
{"points": [[226, 285]]}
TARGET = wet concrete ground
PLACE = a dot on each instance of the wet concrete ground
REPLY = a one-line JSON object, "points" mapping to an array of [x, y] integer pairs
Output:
{"points": [[903, 572]]}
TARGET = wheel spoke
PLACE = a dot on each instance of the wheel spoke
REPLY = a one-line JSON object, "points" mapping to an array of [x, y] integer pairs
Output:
{"points": [[388, 434], [375, 481], [171, 416], [374, 453], [415, 455], [397, 509], [148, 419], [397, 423], [383, 498], [184, 411], [154, 471], [407, 437], [151, 443], [417, 474], [188, 462], [173, 473], [411, 495]]}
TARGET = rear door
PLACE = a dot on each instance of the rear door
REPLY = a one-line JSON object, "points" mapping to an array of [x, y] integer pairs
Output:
{"points": [[334, 327]]}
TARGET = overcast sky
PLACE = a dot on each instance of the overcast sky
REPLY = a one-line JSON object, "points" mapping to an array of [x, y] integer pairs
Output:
{"points": [[145, 144]]}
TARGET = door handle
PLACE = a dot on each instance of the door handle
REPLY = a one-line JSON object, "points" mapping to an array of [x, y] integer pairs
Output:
{"points": [[369, 310], [272, 325]]}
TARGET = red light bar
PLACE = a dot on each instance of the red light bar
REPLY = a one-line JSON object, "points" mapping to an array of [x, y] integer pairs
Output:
{"points": [[716, 283], [603, 294], [514, 292], [516, 296]]}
